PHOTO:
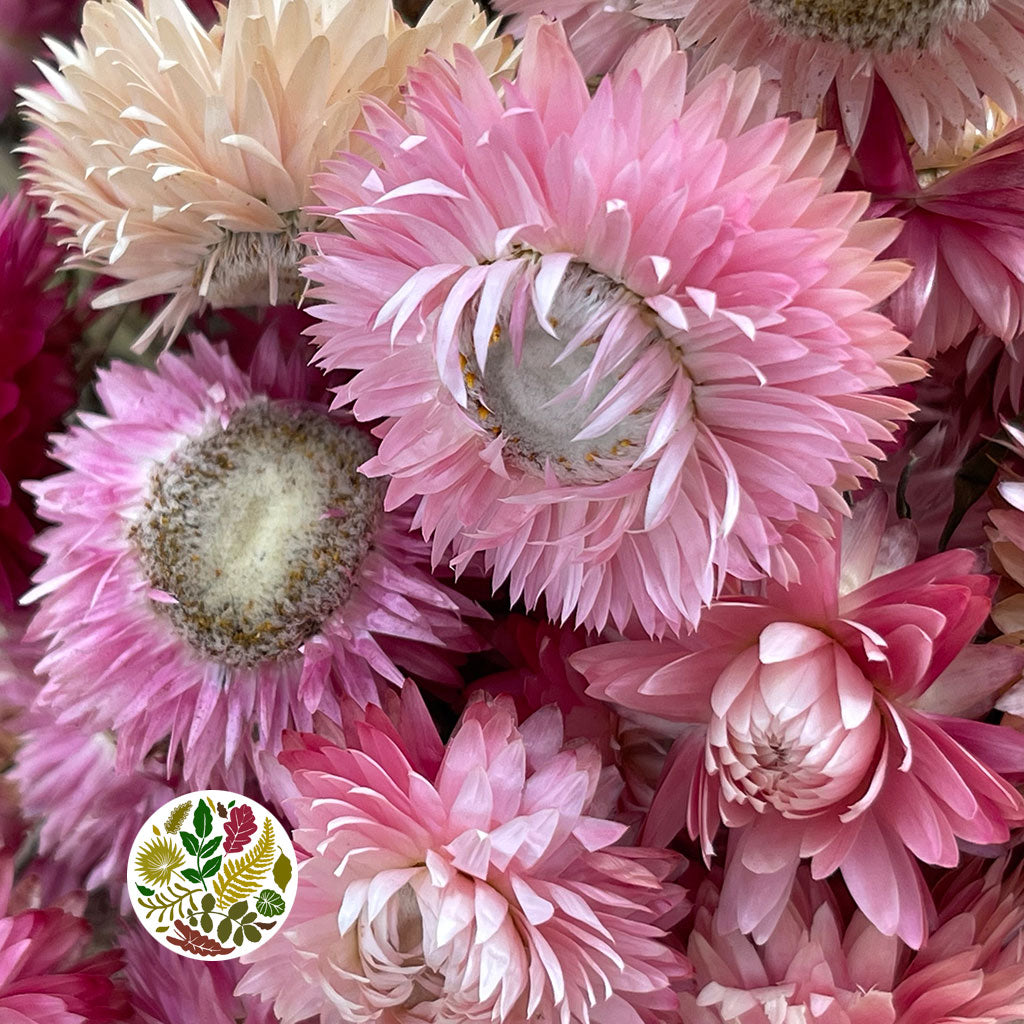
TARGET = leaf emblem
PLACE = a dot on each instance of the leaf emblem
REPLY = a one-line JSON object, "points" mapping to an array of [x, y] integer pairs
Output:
{"points": [[202, 820], [177, 817], [240, 828], [158, 859], [242, 876], [270, 904], [196, 942], [282, 872]]}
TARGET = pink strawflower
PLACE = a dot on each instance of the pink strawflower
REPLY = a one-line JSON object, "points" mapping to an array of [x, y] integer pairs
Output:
{"points": [[466, 883], [633, 749], [817, 967], [44, 976], [220, 571], [833, 721], [36, 387], [963, 228], [169, 989], [938, 59], [571, 314]]}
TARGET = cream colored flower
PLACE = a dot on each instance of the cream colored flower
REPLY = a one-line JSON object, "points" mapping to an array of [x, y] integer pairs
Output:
{"points": [[180, 158]]}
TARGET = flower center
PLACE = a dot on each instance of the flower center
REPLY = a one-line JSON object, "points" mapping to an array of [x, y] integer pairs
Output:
{"points": [[535, 390], [252, 268], [883, 25], [257, 529]]}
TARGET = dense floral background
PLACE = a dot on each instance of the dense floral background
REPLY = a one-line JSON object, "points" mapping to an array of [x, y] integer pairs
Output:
{"points": [[564, 458]]}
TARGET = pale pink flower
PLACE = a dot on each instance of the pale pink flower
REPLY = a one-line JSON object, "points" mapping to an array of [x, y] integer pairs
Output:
{"points": [[220, 571], [45, 977], [169, 989], [818, 967], [833, 721], [179, 158], [938, 58], [620, 342], [466, 883]]}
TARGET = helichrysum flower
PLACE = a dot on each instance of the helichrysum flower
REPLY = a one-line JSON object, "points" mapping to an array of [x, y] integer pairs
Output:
{"points": [[179, 158], [938, 58], [820, 967], [834, 721], [962, 208], [219, 569], [620, 343], [45, 977], [467, 883]]}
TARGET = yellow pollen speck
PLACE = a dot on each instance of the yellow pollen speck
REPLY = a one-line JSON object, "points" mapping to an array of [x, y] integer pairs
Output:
{"points": [[495, 335], [470, 380], [590, 456], [482, 412], [462, 361]]}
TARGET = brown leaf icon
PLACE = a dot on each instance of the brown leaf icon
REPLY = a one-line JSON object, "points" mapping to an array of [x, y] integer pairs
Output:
{"points": [[239, 828], [196, 942]]}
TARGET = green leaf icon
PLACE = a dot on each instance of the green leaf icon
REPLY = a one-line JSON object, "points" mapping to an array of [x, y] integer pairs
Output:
{"points": [[252, 934], [202, 820], [211, 867], [190, 842], [224, 929], [282, 872], [206, 923], [208, 849], [208, 902], [144, 890], [192, 875], [162, 928], [239, 935], [270, 904], [237, 910]]}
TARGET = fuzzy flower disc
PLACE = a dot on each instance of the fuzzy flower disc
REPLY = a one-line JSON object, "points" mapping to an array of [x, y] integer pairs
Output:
{"points": [[209, 138], [620, 343], [221, 571]]}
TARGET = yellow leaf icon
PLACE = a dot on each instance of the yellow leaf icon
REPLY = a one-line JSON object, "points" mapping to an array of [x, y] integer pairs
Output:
{"points": [[156, 831]]}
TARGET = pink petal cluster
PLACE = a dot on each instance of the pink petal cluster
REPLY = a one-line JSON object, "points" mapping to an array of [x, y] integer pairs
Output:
{"points": [[114, 662], [633, 748], [36, 388], [938, 59], [833, 721], [467, 882], [45, 977], [821, 966], [619, 343], [963, 234]]}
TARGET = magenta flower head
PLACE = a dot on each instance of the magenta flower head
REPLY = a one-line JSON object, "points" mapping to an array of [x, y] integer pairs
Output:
{"points": [[467, 883], [619, 343], [219, 570], [36, 387], [834, 721], [45, 976]]}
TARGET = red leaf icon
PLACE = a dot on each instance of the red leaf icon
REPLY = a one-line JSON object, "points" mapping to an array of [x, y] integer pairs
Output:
{"points": [[196, 942], [239, 828]]}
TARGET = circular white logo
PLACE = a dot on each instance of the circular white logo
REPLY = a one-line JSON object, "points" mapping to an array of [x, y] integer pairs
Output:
{"points": [[212, 875]]}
